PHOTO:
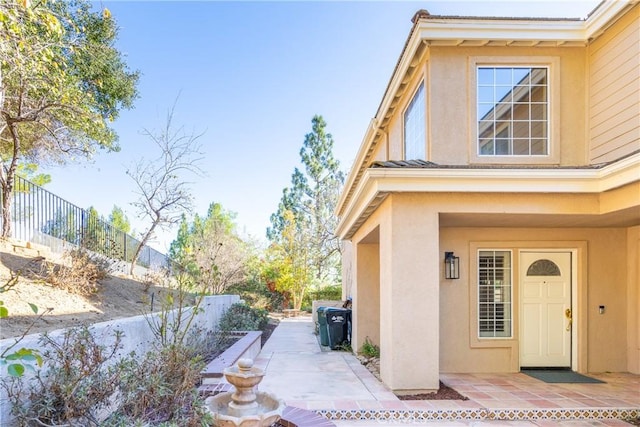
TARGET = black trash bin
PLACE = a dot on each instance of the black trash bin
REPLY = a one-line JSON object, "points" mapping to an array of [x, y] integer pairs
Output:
{"points": [[338, 326]]}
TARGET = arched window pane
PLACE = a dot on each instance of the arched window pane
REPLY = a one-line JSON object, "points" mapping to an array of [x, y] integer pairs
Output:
{"points": [[543, 267]]}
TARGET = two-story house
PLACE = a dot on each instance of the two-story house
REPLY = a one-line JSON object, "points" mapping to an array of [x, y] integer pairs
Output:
{"points": [[511, 148]]}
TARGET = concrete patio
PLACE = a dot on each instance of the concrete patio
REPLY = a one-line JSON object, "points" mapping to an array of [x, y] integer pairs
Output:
{"points": [[335, 385]]}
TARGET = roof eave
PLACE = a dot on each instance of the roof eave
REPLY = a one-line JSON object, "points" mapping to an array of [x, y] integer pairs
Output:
{"points": [[604, 15], [376, 184], [457, 30]]}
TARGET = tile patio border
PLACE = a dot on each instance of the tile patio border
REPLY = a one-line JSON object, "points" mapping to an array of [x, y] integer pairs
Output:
{"points": [[481, 414]]}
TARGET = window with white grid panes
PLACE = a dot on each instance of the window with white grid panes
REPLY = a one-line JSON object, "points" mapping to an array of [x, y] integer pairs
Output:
{"points": [[513, 110], [494, 294]]}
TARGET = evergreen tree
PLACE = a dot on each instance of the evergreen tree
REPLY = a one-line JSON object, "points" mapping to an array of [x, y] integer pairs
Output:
{"points": [[305, 217], [119, 220], [93, 233], [209, 250]]}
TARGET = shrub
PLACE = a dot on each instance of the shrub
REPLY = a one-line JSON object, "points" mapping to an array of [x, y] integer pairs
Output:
{"points": [[18, 361], [81, 274], [178, 307], [84, 381], [257, 295], [160, 388], [241, 317], [78, 383], [331, 293], [369, 349]]}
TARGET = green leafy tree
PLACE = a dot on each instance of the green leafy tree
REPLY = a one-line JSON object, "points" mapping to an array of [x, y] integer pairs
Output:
{"points": [[93, 237], [180, 246], [64, 225], [29, 171], [288, 259], [311, 200], [119, 220], [210, 250], [63, 82], [258, 289]]}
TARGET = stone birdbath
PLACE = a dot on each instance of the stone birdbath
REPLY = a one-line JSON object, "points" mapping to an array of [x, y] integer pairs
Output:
{"points": [[244, 407]]}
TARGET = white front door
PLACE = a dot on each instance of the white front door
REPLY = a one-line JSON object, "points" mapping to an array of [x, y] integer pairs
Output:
{"points": [[545, 309]]}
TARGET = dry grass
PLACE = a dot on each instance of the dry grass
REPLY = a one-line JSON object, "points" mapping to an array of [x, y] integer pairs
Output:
{"points": [[117, 296]]}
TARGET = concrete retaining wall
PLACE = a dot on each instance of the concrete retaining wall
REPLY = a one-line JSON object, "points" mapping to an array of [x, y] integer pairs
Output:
{"points": [[248, 345], [138, 336]]}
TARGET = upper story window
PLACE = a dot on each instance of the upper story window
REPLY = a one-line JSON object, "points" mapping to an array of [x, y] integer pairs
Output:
{"points": [[415, 127], [512, 110]]}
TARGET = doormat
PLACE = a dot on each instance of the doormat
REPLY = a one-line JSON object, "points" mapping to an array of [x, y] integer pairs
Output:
{"points": [[559, 376]]}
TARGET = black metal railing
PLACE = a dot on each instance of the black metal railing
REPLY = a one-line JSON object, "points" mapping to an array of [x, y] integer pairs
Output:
{"points": [[40, 216]]}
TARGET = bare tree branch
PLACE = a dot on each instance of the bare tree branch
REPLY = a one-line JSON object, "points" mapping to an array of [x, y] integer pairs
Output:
{"points": [[163, 193]]}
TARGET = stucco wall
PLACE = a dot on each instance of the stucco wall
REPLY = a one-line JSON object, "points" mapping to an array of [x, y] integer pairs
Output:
{"points": [[450, 99], [397, 236], [394, 298], [347, 269], [606, 253], [368, 296], [602, 280], [614, 90]]}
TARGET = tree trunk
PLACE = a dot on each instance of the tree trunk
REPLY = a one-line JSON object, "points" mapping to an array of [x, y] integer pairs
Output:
{"points": [[7, 177], [143, 243], [7, 195], [298, 296]]}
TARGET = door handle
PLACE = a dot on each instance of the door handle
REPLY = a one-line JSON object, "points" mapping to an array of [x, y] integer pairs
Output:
{"points": [[569, 316]]}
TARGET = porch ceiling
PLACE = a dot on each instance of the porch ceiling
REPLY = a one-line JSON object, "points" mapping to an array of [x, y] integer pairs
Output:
{"points": [[623, 218]]}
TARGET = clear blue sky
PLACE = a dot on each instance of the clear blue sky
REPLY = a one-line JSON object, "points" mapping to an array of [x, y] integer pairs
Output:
{"points": [[250, 76]]}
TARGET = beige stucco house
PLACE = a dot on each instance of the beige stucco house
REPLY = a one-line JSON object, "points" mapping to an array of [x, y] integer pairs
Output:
{"points": [[514, 144]]}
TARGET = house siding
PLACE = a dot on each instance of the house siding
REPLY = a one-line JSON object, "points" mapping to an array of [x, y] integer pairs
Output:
{"points": [[614, 90]]}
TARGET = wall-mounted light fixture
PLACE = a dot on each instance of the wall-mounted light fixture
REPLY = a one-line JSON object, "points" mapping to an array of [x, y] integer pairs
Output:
{"points": [[451, 266]]}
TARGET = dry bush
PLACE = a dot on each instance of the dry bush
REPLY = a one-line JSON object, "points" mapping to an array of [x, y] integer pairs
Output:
{"points": [[78, 383], [89, 384], [161, 388], [154, 278], [81, 273]]}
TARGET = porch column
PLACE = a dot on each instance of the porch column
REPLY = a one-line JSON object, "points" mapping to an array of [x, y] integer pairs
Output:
{"points": [[633, 300], [366, 295], [409, 300]]}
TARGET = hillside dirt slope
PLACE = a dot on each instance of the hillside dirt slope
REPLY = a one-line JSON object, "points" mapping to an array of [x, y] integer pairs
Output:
{"points": [[117, 297]]}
